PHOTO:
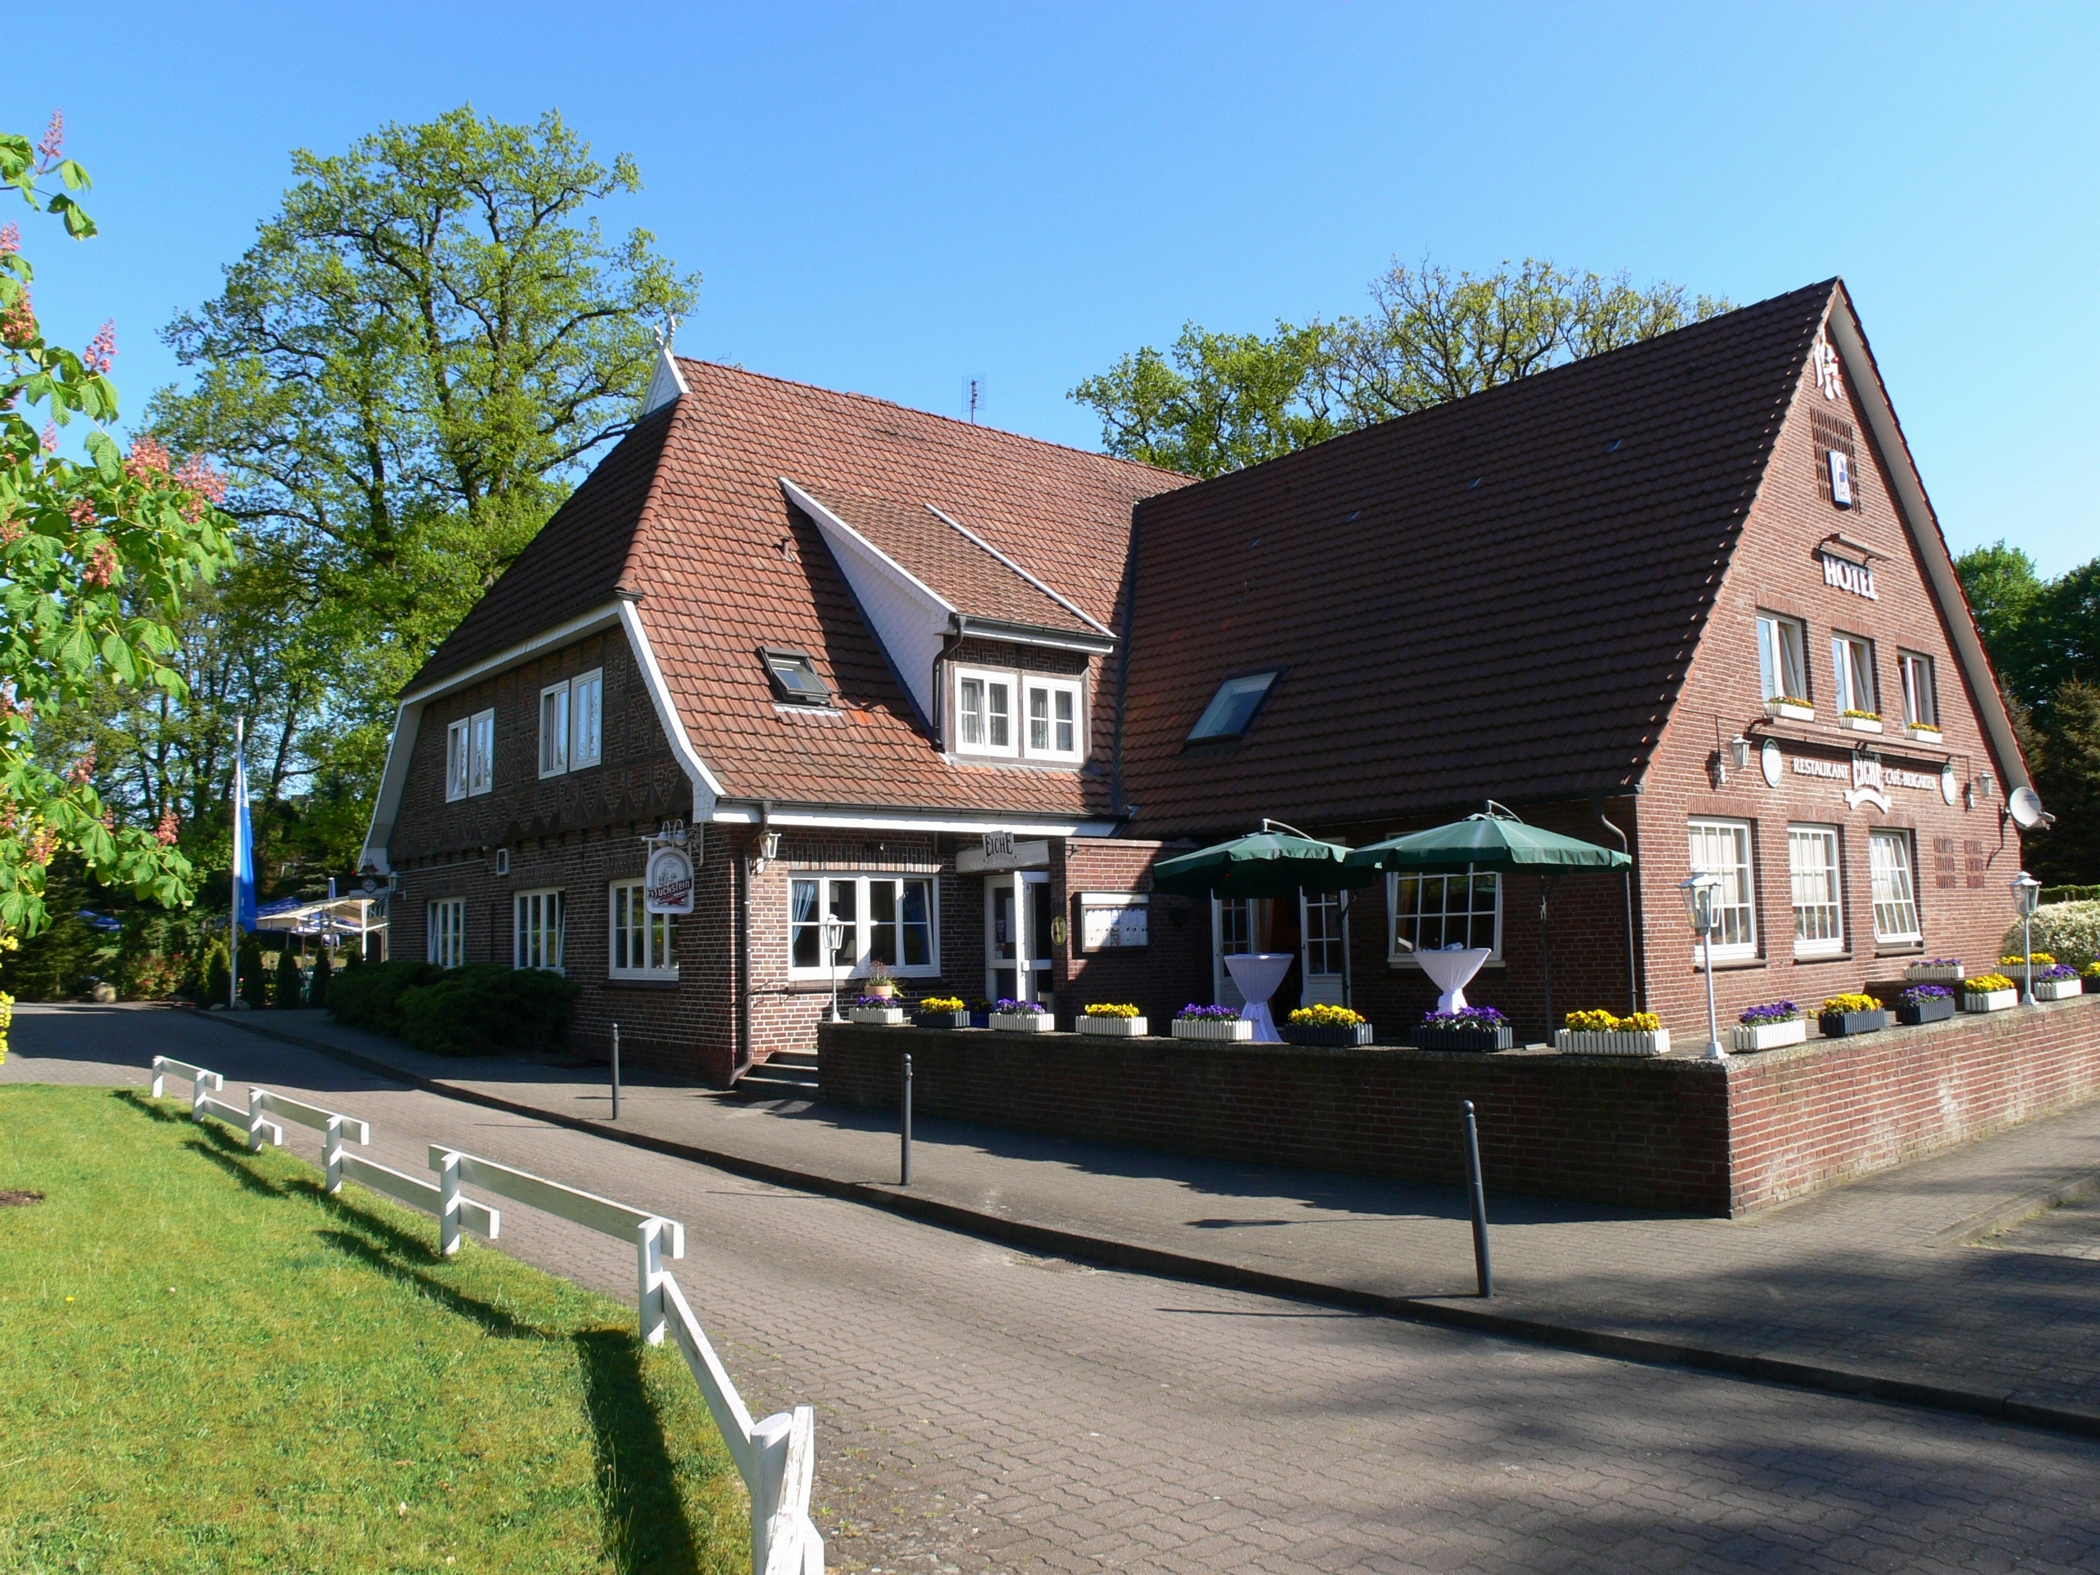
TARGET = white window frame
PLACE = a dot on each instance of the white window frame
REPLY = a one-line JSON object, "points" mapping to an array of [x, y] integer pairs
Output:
{"points": [[1917, 714], [587, 719], [1847, 696], [858, 944], [1396, 952], [456, 761], [554, 748], [1895, 886], [1052, 690], [983, 744], [445, 932], [1774, 669], [1737, 937], [627, 918], [1814, 911], [534, 915], [481, 753]]}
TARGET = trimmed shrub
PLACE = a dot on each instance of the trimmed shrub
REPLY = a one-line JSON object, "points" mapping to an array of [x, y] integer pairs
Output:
{"points": [[255, 981], [218, 976], [317, 981], [2070, 931], [369, 996], [487, 1009], [285, 986]]}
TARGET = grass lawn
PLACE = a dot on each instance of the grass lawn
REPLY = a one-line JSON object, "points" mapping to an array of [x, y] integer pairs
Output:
{"points": [[210, 1365]]}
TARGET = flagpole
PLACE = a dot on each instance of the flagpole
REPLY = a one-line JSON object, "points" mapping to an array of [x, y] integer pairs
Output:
{"points": [[233, 872]]}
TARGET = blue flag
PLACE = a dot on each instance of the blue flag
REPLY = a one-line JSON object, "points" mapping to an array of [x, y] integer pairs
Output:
{"points": [[243, 848]]}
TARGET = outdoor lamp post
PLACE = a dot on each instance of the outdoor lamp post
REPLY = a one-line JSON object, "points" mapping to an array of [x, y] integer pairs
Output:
{"points": [[1701, 907], [2027, 896], [834, 942]]}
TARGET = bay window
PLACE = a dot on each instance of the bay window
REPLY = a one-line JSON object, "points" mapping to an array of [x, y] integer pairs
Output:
{"points": [[884, 919], [1812, 863], [1722, 847]]}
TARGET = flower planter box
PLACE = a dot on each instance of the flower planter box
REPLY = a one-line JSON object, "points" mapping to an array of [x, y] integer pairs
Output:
{"points": [[942, 1019], [1781, 711], [1842, 1025], [1023, 1022], [1745, 1037], [1326, 1035], [1924, 735], [1113, 1027], [2058, 989], [1477, 1040], [1916, 1012], [1995, 1001], [1933, 973], [882, 1016], [1231, 1029], [1594, 1041], [1859, 724]]}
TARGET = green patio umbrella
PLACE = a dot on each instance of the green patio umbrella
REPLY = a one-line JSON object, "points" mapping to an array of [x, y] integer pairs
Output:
{"points": [[1273, 862], [1495, 840]]}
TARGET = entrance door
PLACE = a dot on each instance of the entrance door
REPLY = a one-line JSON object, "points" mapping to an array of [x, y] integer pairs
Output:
{"points": [[1320, 923], [1017, 936]]}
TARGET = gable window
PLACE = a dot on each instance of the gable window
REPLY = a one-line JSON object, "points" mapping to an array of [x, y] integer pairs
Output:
{"points": [[554, 729], [1921, 696], [1232, 709], [456, 761], [794, 677], [447, 932], [644, 944], [1722, 847], [586, 718], [481, 752], [1782, 667], [884, 919], [1840, 479], [538, 935], [1426, 913], [1812, 864], [1895, 894], [1852, 660], [984, 713], [1053, 719]]}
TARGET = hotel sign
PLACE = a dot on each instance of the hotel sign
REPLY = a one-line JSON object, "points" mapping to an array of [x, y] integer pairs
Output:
{"points": [[1846, 575]]}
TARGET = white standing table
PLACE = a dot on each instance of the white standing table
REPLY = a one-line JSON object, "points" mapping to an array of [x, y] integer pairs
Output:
{"points": [[1258, 974]]}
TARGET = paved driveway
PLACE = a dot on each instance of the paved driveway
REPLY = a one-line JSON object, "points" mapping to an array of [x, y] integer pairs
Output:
{"points": [[981, 1409]]}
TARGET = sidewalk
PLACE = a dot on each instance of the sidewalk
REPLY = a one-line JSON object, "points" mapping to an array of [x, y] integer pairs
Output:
{"points": [[1872, 1288]]}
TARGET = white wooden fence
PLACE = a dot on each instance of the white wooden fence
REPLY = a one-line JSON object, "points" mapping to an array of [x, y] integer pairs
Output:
{"points": [[775, 1456]]}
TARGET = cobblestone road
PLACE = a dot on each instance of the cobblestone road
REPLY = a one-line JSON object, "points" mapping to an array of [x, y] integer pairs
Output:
{"points": [[981, 1409]]}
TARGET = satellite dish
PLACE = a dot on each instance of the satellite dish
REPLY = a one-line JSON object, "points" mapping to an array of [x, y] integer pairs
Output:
{"points": [[2025, 806]]}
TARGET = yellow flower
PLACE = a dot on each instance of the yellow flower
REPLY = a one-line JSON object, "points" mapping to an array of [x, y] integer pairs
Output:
{"points": [[941, 1003], [1986, 984], [1111, 1009], [2039, 959], [1603, 1022], [1327, 1017], [1854, 1002]]}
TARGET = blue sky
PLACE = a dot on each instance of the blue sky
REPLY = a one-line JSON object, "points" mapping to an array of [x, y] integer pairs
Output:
{"points": [[896, 199]]}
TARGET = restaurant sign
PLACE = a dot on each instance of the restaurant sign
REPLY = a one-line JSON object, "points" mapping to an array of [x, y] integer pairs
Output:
{"points": [[1870, 779]]}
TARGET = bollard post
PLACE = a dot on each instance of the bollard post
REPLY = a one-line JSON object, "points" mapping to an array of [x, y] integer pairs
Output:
{"points": [[616, 1072], [905, 1179], [1483, 1268]]}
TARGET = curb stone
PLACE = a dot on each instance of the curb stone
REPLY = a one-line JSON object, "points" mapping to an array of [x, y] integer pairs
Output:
{"points": [[1112, 1253]]}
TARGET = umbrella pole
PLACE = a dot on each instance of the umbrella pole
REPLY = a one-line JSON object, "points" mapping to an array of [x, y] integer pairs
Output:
{"points": [[1546, 952]]}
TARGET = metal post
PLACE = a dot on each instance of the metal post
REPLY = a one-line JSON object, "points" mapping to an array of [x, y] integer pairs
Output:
{"points": [[616, 1072], [1714, 1050], [2027, 945], [1483, 1267], [904, 1179]]}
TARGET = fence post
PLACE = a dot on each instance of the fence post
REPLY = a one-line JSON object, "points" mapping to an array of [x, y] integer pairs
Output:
{"points": [[159, 1078], [650, 1264], [332, 1153], [1483, 1268], [769, 1458], [906, 1163], [616, 1072], [256, 1120], [198, 1093], [448, 1204]]}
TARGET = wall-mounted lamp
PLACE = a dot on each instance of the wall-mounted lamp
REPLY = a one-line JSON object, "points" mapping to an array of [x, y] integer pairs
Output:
{"points": [[1986, 785], [1739, 752], [769, 847]]}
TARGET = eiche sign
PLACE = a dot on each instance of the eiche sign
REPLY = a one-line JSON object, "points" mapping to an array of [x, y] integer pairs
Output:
{"points": [[668, 883]]}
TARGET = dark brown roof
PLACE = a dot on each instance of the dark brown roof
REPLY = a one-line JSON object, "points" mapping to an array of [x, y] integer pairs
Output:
{"points": [[956, 566], [687, 513], [1496, 596]]}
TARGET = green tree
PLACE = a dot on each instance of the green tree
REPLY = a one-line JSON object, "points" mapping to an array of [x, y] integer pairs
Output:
{"points": [[2068, 778], [1217, 402], [2004, 589], [95, 561], [404, 375]]}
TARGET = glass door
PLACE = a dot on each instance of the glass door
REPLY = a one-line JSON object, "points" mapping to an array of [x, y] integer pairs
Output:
{"points": [[1017, 937], [1320, 958]]}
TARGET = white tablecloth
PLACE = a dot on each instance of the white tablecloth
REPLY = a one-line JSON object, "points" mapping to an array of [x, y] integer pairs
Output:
{"points": [[1257, 974], [1450, 971]]}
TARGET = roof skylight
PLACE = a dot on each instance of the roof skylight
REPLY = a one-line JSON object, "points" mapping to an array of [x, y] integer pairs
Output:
{"points": [[1231, 710], [794, 676]]}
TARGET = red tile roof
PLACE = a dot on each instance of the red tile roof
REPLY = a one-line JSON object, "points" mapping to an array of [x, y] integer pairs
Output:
{"points": [[687, 514], [1498, 595]]}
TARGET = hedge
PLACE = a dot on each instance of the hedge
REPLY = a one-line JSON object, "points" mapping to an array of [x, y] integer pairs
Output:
{"points": [[2068, 931], [370, 996], [486, 1009]]}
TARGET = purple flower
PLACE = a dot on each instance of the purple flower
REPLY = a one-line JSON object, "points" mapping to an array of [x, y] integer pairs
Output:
{"points": [[1770, 1012], [1008, 1007], [1197, 1012], [2058, 971], [1466, 1017], [876, 1000], [1919, 994]]}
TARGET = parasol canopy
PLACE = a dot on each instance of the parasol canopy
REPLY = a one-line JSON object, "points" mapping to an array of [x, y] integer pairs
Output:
{"points": [[1495, 840], [1269, 863]]}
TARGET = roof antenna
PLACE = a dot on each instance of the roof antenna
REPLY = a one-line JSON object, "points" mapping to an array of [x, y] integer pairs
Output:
{"points": [[976, 393]]}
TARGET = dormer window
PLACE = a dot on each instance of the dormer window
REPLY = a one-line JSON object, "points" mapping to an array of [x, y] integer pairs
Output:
{"points": [[1232, 709], [1019, 716], [794, 677]]}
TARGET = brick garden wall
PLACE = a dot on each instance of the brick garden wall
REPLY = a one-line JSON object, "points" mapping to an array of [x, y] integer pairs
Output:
{"points": [[1673, 1134]]}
